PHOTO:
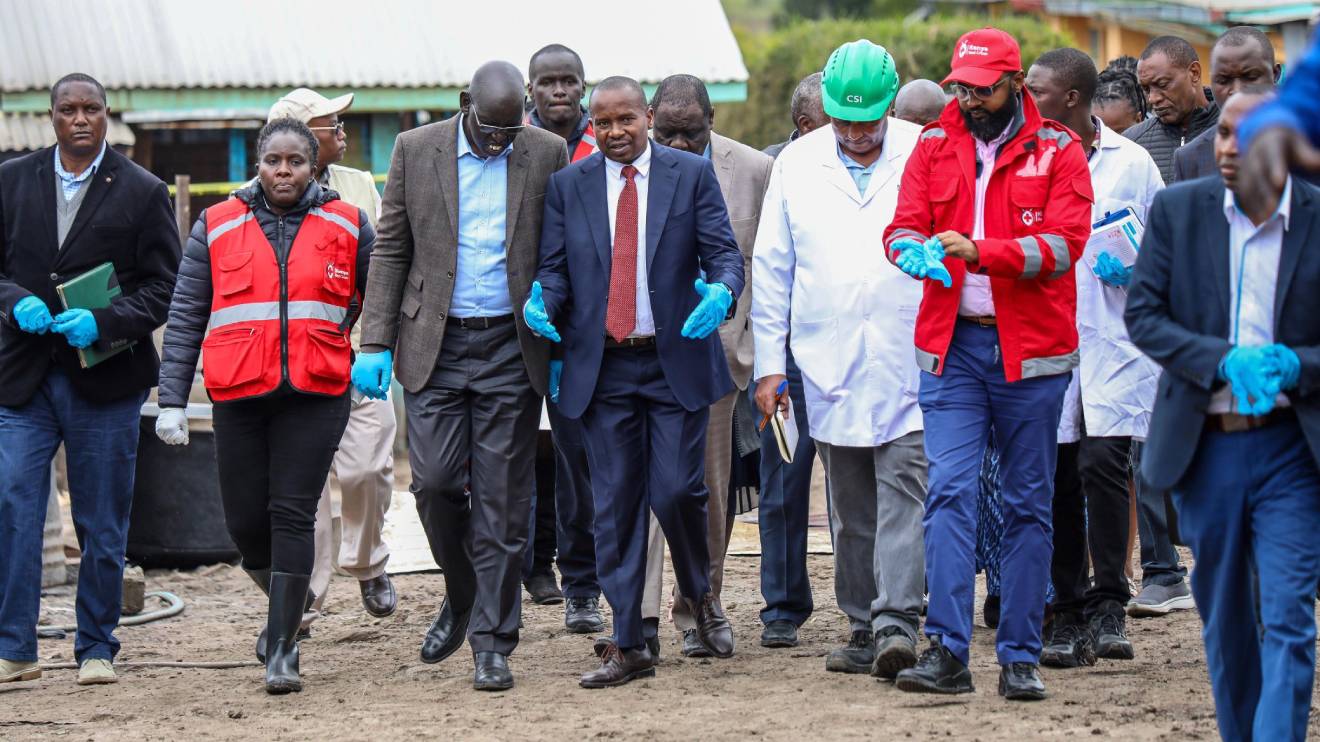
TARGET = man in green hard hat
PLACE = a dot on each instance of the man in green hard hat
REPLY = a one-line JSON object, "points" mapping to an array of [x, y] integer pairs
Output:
{"points": [[818, 267]]}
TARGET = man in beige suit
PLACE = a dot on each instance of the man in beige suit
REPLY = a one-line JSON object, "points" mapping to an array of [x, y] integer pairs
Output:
{"points": [[456, 250], [683, 117]]}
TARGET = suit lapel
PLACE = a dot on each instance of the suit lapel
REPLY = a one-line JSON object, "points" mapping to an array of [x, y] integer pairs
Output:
{"points": [[884, 171], [839, 177], [722, 154], [591, 189], [516, 183], [46, 190], [1217, 242], [660, 194], [446, 167], [1301, 220]]}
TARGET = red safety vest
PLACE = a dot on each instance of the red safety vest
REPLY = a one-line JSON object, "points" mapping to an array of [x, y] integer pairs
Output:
{"points": [[586, 145], [271, 323]]}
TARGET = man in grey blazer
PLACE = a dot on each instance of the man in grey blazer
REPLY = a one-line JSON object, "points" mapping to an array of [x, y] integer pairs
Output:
{"points": [[456, 251], [683, 120]]}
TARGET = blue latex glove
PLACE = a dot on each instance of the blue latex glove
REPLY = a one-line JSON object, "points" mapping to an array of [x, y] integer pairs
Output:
{"points": [[1111, 272], [78, 326], [372, 373], [556, 373], [32, 315], [536, 316], [933, 252], [1254, 375], [716, 298], [912, 261], [1289, 365], [905, 244]]}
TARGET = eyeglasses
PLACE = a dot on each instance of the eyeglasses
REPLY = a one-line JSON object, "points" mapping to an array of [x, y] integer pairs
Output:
{"points": [[982, 92], [488, 130], [337, 128]]}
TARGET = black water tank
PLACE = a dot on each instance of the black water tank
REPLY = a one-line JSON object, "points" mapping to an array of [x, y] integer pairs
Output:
{"points": [[178, 520]]}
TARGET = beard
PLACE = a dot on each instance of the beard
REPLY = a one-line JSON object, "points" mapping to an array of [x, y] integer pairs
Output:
{"points": [[989, 128]]}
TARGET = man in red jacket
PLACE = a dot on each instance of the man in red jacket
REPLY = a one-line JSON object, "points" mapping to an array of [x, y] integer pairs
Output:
{"points": [[1002, 199]]}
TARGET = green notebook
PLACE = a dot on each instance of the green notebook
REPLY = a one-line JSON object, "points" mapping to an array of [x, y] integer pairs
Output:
{"points": [[94, 289]]}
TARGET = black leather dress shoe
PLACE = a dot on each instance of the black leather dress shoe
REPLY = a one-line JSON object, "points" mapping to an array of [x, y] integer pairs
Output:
{"points": [[543, 589], [446, 634], [492, 671], [619, 666], [936, 671], [378, 596], [779, 634], [713, 629], [582, 616], [990, 611], [1020, 681], [692, 646]]}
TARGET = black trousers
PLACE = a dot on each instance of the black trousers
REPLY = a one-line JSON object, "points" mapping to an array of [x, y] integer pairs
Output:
{"points": [[472, 446], [274, 454], [1091, 515]]}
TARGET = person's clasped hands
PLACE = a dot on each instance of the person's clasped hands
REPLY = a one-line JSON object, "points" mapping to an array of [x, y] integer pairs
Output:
{"points": [[1258, 374], [923, 260]]}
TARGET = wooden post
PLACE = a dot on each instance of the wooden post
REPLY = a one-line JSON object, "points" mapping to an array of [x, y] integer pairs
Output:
{"points": [[182, 207]]}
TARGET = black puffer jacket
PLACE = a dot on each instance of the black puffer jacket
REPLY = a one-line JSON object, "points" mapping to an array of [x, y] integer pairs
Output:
{"points": [[1162, 140], [190, 309]]}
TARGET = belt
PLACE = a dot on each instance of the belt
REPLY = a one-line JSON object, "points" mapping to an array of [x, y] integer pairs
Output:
{"points": [[641, 342], [480, 323], [1231, 422], [984, 320]]}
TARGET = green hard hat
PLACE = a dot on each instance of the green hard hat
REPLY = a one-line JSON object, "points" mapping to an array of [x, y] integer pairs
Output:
{"points": [[859, 83]]}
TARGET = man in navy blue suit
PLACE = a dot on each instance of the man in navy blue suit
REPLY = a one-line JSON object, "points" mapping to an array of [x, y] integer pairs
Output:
{"points": [[1223, 297], [628, 233]]}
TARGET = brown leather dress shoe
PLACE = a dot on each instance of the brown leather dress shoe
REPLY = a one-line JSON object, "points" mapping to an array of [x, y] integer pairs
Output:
{"points": [[619, 666], [713, 629], [378, 595]]}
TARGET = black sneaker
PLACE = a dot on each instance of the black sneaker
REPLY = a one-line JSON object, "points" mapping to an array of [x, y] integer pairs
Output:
{"points": [[936, 671], [1020, 681], [1109, 633], [894, 651], [582, 616], [1068, 645], [856, 658]]}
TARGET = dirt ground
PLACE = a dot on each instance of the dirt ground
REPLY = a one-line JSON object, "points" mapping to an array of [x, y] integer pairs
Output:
{"points": [[363, 680]]}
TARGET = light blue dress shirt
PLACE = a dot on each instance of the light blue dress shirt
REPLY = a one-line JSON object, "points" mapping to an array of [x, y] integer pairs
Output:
{"points": [[861, 174], [481, 282], [70, 183]]}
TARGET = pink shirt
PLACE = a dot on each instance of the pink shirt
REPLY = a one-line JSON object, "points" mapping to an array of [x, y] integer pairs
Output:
{"points": [[976, 300]]}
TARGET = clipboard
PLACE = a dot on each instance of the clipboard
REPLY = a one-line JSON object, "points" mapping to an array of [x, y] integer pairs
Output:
{"points": [[1118, 233]]}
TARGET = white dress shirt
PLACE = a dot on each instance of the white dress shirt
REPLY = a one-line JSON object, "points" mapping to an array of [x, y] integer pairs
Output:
{"points": [[614, 183], [1253, 277], [976, 299]]}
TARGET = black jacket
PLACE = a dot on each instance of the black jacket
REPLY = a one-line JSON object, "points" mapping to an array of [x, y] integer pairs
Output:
{"points": [[1196, 159], [1178, 314], [190, 309], [1162, 140], [126, 219]]}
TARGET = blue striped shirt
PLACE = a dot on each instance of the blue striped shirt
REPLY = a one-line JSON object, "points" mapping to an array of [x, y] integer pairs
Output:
{"points": [[70, 183]]}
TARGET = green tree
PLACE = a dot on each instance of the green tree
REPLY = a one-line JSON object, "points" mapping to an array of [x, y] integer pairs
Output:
{"points": [[778, 60]]}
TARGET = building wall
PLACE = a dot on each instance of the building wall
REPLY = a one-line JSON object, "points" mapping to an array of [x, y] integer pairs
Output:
{"points": [[1104, 38]]}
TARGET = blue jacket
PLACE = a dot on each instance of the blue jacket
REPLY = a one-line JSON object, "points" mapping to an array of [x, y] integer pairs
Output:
{"points": [[1298, 104], [687, 231], [1178, 314]]}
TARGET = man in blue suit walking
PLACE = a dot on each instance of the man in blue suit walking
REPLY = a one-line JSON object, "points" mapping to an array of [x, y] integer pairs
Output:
{"points": [[628, 233]]}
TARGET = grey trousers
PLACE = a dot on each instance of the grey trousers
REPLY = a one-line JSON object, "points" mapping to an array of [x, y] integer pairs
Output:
{"points": [[877, 498], [472, 447]]}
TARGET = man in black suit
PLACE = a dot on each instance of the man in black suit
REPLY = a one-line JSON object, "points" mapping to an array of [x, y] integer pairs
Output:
{"points": [[1224, 299], [65, 210], [628, 233], [1242, 56]]}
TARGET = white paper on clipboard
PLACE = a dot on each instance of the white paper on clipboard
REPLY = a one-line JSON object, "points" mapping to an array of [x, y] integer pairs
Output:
{"points": [[1119, 234]]}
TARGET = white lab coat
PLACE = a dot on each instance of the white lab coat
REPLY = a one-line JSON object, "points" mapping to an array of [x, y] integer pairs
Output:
{"points": [[1117, 381], [819, 270]]}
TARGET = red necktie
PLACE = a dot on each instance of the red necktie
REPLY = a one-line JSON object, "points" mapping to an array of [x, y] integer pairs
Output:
{"points": [[621, 311]]}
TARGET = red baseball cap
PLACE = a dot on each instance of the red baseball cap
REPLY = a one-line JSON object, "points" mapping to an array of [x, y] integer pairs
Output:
{"points": [[983, 56]]}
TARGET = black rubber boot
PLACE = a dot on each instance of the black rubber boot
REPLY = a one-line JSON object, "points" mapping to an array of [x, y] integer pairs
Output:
{"points": [[288, 596], [262, 578]]}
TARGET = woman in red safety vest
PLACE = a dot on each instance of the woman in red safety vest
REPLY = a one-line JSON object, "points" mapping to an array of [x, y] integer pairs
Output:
{"points": [[268, 289]]}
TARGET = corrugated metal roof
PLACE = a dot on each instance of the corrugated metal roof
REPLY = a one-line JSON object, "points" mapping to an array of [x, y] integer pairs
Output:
{"points": [[22, 132], [166, 44]]}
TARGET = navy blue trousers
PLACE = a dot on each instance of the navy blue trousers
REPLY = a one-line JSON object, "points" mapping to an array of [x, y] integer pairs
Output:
{"points": [[782, 514], [959, 407], [100, 441], [1249, 508], [646, 454], [573, 507]]}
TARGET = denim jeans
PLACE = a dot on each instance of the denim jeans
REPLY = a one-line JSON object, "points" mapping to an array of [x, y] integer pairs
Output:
{"points": [[100, 441]]}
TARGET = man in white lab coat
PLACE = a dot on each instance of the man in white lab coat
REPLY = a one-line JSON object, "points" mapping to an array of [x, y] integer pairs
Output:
{"points": [[822, 284], [1116, 381]]}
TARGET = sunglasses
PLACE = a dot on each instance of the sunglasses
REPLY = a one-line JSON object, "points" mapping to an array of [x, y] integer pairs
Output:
{"points": [[488, 130], [337, 128], [981, 92]]}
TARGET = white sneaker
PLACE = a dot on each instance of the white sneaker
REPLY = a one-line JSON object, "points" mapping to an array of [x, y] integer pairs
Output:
{"points": [[96, 672], [1161, 600], [13, 671]]}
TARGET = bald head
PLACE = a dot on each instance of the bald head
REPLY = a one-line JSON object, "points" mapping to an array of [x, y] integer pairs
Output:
{"points": [[498, 91], [920, 102]]}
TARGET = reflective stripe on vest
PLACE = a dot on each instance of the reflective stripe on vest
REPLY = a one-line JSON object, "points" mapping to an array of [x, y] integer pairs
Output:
{"points": [[272, 324], [586, 146]]}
